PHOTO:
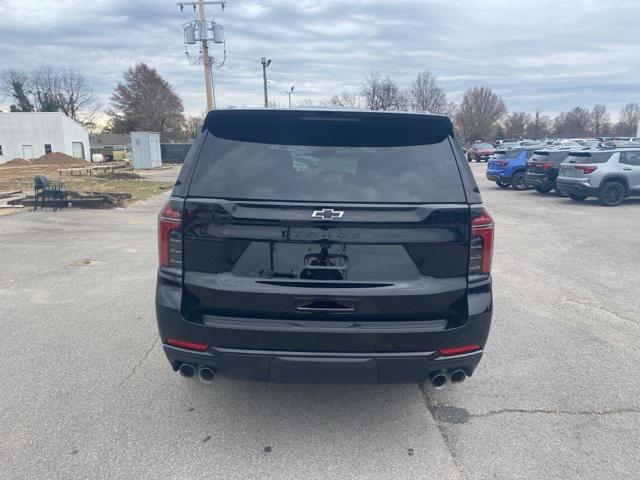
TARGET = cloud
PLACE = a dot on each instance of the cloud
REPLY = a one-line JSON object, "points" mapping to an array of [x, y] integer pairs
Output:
{"points": [[535, 53]]}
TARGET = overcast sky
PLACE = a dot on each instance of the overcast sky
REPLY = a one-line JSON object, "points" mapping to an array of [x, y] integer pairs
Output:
{"points": [[544, 54]]}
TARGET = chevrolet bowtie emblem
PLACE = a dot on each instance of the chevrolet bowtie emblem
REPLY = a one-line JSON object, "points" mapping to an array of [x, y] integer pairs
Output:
{"points": [[327, 214]]}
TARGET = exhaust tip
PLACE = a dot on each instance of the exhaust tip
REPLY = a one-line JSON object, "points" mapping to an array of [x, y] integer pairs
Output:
{"points": [[187, 370], [457, 376], [438, 379], [205, 374]]}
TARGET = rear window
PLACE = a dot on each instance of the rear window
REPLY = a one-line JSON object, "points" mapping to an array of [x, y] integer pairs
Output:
{"points": [[506, 155], [322, 161], [588, 157], [550, 157]]}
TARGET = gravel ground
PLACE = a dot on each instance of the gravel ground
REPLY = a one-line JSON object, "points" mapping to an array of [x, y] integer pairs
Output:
{"points": [[87, 392]]}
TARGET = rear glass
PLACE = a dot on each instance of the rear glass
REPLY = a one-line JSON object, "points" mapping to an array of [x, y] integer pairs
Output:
{"points": [[550, 157], [588, 157], [506, 155], [235, 169]]}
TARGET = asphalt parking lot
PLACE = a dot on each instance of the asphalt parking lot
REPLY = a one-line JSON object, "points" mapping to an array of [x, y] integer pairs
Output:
{"points": [[87, 392]]}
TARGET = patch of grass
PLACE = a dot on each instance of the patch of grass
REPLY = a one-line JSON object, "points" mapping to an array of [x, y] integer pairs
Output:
{"points": [[139, 189]]}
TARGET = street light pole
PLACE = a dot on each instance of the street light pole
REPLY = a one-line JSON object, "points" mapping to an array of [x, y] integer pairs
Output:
{"points": [[265, 64], [290, 92]]}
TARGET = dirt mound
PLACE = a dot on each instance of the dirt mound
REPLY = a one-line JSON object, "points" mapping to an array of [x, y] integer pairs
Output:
{"points": [[18, 161], [55, 158]]}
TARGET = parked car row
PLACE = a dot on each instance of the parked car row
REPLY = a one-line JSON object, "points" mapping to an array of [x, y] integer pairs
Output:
{"points": [[611, 174], [482, 151]]}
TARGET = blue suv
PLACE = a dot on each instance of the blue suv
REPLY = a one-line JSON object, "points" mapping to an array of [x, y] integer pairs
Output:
{"points": [[508, 167]]}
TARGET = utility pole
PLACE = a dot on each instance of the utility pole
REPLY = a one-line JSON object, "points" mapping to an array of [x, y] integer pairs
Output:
{"points": [[203, 27], [208, 86], [265, 64], [290, 92]]}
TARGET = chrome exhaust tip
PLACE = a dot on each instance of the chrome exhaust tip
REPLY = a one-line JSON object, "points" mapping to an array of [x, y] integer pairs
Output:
{"points": [[438, 379], [457, 376], [205, 374], [187, 370]]}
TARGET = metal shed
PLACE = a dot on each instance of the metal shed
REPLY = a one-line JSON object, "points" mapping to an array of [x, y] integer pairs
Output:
{"points": [[145, 147]]}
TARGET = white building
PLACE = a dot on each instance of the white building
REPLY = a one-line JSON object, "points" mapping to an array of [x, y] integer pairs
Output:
{"points": [[32, 134]]}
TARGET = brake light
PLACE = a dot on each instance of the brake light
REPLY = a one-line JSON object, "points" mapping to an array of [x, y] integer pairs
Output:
{"points": [[198, 347], [448, 352], [587, 168], [170, 236], [503, 163], [481, 250]]}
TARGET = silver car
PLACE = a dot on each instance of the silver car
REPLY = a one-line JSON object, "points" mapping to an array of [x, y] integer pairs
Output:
{"points": [[611, 175]]}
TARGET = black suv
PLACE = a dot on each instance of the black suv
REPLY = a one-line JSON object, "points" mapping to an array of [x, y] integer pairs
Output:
{"points": [[325, 246], [543, 168]]}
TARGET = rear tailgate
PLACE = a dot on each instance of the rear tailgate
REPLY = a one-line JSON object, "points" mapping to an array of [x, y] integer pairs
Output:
{"points": [[375, 262], [543, 161], [326, 217]]}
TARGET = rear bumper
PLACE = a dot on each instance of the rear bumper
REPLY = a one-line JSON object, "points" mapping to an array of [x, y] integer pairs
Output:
{"points": [[575, 188], [318, 367], [539, 181], [323, 352], [496, 177]]}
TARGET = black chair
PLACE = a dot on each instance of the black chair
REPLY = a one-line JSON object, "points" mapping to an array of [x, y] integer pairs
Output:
{"points": [[48, 191]]}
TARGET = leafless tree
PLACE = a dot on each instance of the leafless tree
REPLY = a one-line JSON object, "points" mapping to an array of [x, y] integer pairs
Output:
{"points": [[539, 127], [145, 101], [426, 96], [574, 123], [478, 114], [348, 99], [193, 125], [628, 120], [47, 85], [515, 124], [600, 120], [16, 85], [7, 79], [77, 99], [67, 90], [381, 93]]}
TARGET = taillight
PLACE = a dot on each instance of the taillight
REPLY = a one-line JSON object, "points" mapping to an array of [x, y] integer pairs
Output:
{"points": [[587, 168], [546, 166], [503, 163], [481, 249], [198, 347], [448, 352], [170, 236]]}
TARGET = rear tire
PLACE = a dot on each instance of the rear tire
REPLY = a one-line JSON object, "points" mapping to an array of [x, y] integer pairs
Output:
{"points": [[612, 194], [543, 190], [578, 197], [518, 182], [502, 184]]}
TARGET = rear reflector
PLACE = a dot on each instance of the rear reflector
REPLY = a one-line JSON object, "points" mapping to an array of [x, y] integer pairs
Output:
{"points": [[199, 347], [448, 352]]}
